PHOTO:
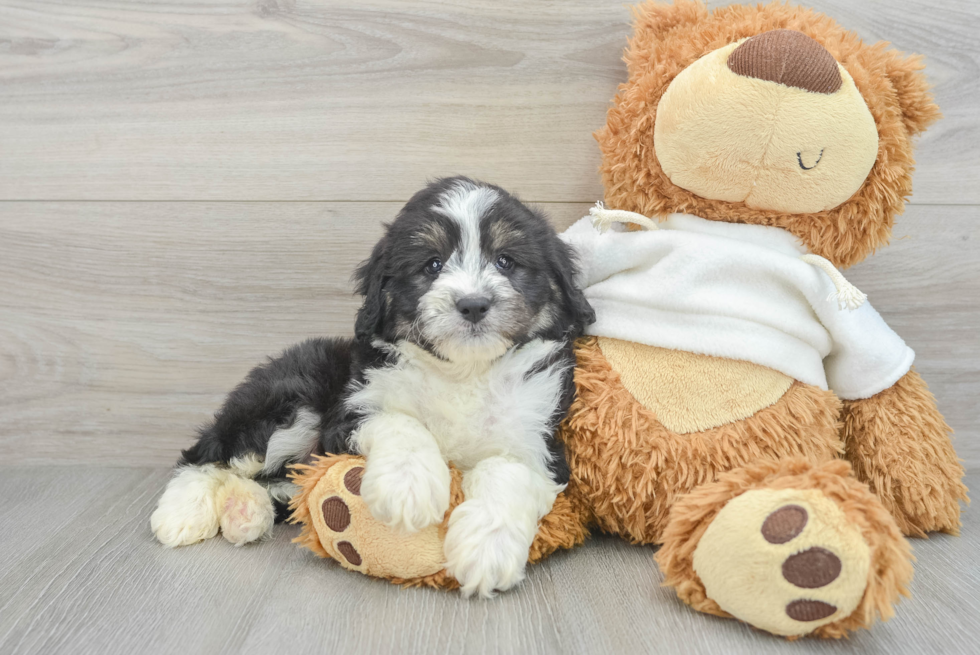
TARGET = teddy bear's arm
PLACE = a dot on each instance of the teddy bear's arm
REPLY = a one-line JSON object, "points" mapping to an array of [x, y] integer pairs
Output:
{"points": [[898, 443]]}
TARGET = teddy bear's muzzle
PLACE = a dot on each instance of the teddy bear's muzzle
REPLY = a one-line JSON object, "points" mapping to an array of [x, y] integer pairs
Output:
{"points": [[772, 122]]}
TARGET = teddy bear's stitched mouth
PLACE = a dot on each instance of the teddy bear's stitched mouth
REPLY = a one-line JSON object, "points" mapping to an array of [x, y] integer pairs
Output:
{"points": [[799, 158]]}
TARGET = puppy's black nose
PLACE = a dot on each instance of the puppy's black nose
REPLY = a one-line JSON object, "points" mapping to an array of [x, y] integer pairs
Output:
{"points": [[473, 308]]}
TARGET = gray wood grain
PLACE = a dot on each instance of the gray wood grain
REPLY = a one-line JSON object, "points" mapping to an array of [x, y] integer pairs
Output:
{"points": [[299, 100], [278, 100], [124, 324], [82, 574]]}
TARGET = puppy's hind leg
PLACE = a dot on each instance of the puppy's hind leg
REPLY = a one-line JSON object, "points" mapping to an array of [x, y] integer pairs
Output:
{"points": [[186, 513], [270, 420], [209, 492], [245, 509], [200, 499]]}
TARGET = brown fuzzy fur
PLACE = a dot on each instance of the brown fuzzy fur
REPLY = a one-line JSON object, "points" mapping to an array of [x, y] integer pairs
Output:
{"points": [[898, 443], [668, 38], [630, 469], [891, 568], [563, 527]]}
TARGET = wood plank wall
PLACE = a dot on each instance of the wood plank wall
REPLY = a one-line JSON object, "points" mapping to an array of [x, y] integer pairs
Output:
{"points": [[185, 187]]}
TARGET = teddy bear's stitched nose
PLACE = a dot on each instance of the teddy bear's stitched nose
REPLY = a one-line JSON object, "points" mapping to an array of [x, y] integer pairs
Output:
{"points": [[787, 57]]}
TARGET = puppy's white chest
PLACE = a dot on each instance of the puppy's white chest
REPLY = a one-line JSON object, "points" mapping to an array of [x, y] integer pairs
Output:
{"points": [[475, 411], [457, 409], [461, 409]]}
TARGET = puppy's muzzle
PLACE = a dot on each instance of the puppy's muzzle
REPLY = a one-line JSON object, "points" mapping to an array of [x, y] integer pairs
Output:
{"points": [[473, 308]]}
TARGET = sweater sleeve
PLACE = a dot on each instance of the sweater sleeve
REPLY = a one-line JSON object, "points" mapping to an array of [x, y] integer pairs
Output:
{"points": [[601, 255], [867, 356], [582, 239]]}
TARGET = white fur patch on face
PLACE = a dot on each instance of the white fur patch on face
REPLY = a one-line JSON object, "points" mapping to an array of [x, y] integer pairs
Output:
{"points": [[467, 205], [468, 273]]}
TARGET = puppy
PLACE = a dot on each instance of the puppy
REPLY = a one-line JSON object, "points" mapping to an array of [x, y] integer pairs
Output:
{"points": [[462, 353]]}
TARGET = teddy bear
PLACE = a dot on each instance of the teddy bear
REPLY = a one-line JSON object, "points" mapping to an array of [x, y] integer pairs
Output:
{"points": [[738, 402]]}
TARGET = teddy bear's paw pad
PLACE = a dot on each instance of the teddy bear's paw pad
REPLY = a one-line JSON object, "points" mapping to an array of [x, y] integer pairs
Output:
{"points": [[246, 511], [813, 568], [358, 541], [787, 561], [784, 524], [352, 480], [336, 515], [809, 610]]}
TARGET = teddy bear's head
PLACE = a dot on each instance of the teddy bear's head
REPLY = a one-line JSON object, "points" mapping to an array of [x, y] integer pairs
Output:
{"points": [[771, 115]]}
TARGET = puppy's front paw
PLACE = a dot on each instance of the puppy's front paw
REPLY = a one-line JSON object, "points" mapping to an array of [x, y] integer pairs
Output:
{"points": [[484, 553], [407, 490]]}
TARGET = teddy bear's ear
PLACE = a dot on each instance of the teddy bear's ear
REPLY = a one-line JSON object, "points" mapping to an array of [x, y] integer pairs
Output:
{"points": [[919, 109], [654, 19]]}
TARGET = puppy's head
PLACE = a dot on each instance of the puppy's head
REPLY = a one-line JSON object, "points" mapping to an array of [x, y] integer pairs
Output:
{"points": [[466, 271]]}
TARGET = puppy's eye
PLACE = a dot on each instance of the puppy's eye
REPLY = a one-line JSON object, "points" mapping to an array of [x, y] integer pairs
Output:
{"points": [[433, 266], [505, 263]]}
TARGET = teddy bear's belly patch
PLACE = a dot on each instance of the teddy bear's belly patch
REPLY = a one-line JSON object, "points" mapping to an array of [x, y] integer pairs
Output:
{"points": [[689, 392]]}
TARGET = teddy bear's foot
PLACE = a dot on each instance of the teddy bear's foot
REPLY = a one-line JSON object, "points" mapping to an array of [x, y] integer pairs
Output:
{"points": [[787, 547], [786, 561], [339, 525]]}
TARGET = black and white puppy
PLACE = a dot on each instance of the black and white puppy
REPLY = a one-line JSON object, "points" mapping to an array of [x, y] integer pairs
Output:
{"points": [[462, 353]]}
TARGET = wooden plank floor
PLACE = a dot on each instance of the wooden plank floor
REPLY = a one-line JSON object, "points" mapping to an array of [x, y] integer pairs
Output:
{"points": [[93, 580], [185, 187]]}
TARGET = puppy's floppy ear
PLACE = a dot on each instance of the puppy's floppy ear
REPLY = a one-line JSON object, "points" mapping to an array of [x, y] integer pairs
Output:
{"points": [[370, 280], [573, 300]]}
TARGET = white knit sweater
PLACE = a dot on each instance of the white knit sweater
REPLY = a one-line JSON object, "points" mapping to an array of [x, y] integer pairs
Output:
{"points": [[739, 292]]}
